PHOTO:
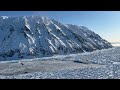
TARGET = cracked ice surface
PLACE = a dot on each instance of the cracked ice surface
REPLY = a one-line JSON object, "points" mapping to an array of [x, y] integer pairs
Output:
{"points": [[85, 73]]}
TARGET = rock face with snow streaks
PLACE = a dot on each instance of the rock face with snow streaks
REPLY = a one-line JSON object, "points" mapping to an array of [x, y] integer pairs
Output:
{"points": [[36, 36]]}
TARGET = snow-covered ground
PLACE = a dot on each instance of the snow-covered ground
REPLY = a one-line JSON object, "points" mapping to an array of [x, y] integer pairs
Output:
{"points": [[100, 64]]}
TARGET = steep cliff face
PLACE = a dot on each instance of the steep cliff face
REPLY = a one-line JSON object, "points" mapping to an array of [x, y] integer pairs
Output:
{"points": [[36, 36]]}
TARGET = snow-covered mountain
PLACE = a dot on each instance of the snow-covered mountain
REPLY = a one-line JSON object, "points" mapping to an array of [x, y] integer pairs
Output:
{"points": [[36, 36]]}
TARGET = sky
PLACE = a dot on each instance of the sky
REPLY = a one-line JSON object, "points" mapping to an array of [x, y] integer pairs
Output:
{"points": [[104, 23]]}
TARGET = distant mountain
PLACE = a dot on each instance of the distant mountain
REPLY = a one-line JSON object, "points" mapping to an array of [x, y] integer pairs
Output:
{"points": [[36, 36], [115, 44]]}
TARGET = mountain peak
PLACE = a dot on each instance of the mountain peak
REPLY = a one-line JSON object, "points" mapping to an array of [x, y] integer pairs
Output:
{"points": [[4, 17], [38, 36]]}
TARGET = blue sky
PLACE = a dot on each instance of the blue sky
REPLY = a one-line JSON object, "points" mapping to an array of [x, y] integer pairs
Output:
{"points": [[104, 23]]}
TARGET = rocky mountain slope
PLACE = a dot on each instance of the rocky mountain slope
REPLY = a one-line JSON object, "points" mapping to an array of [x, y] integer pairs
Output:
{"points": [[36, 36]]}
